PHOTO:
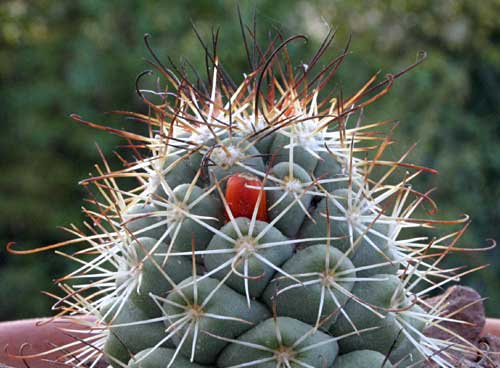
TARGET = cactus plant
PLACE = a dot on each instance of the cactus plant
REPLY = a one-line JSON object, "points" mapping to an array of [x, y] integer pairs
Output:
{"points": [[264, 229]]}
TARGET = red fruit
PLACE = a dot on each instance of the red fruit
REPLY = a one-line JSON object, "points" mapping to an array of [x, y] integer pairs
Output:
{"points": [[242, 200]]}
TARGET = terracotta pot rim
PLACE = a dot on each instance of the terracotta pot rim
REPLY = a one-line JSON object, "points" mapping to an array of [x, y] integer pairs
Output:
{"points": [[491, 327]]}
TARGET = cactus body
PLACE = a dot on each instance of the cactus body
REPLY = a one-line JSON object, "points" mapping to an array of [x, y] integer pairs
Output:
{"points": [[152, 358], [261, 235], [362, 359]]}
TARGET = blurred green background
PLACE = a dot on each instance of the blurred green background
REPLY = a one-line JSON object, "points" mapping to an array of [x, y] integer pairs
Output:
{"points": [[82, 56]]}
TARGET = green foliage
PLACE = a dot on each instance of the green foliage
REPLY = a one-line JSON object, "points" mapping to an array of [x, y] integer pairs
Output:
{"points": [[58, 58]]}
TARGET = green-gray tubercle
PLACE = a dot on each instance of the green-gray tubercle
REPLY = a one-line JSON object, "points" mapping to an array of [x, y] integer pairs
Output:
{"points": [[411, 321], [191, 225], [368, 309], [176, 170], [144, 220], [214, 313], [280, 340], [329, 172], [367, 249], [389, 336], [161, 358], [326, 286], [414, 359], [115, 351], [362, 359], [280, 152], [255, 256], [122, 340], [291, 199], [157, 275], [263, 142]]}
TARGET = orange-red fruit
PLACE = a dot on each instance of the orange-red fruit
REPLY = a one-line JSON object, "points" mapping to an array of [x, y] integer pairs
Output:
{"points": [[242, 200]]}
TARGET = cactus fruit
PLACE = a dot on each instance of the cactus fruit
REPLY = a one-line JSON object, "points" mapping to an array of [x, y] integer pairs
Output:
{"points": [[265, 230]]}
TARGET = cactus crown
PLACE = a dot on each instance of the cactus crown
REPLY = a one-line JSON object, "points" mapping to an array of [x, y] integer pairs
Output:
{"points": [[265, 228]]}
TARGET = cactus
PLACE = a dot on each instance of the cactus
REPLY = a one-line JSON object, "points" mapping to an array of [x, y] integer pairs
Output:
{"points": [[265, 230]]}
